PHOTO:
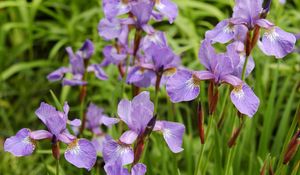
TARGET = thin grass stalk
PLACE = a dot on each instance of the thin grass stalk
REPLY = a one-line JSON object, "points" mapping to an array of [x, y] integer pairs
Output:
{"points": [[280, 164], [198, 167]]}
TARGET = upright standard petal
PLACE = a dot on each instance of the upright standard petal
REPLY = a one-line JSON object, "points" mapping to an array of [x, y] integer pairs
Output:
{"points": [[114, 152], [245, 100], [207, 55], [248, 10], [277, 42], [113, 8], [167, 8], [142, 10], [45, 111], [87, 49], [183, 86], [82, 154], [142, 112], [138, 169], [173, 134], [21, 144], [124, 111]]}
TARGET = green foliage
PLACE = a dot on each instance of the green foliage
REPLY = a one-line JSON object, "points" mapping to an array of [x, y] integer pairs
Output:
{"points": [[33, 35]]}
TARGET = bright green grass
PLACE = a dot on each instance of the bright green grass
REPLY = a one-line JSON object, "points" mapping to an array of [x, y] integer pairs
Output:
{"points": [[33, 36]]}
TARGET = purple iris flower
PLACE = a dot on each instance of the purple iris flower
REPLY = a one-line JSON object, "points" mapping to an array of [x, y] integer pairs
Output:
{"points": [[137, 114], [78, 66], [251, 13], [158, 61], [184, 85], [114, 8], [118, 169], [80, 152], [95, 118]]}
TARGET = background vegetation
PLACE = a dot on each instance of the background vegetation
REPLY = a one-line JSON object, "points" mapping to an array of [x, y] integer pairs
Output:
{"points": [[34, 33]]}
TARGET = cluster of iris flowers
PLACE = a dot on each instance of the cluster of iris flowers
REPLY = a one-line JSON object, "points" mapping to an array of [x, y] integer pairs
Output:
{"points": [[146, 60]]}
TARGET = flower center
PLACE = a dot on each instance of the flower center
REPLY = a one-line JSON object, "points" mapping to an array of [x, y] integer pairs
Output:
{"points": [[74, 147], [238, 92], [271, 35], [193, 82]]}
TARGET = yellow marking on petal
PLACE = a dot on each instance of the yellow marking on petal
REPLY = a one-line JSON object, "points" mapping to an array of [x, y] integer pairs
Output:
{"points": [[170, 71], [271, 34], [238, 92], [73, 147]]}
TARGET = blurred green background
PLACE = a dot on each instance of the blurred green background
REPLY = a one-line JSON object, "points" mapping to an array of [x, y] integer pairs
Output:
{"points": [[34, 33]]}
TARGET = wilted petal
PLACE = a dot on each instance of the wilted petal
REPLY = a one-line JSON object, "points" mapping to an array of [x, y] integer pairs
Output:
{"points": [[128, 137], [245, 100], [138, 169], [99, 72], [222, 33], [277, 42], [58, 74], [109, 29], [114, 152], [167, 8], [81, 153], [40, 134], [173, 134], [183, 86], [21, 144]]}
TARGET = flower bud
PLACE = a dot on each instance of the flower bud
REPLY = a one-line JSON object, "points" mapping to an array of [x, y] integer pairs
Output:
{"points": [[292, 148], [200, 123]]}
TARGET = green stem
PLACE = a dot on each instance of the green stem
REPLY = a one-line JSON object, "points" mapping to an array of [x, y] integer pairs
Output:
{"points": [[280, 164], [124, 77], [197, 172], [229, 160], [57, 166], [230, 155], [244, 68]]}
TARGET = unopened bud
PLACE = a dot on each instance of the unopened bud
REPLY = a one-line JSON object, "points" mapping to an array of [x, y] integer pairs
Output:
{"points": [[234, 136], [292, 148], [213, 96], [200, 123]]}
